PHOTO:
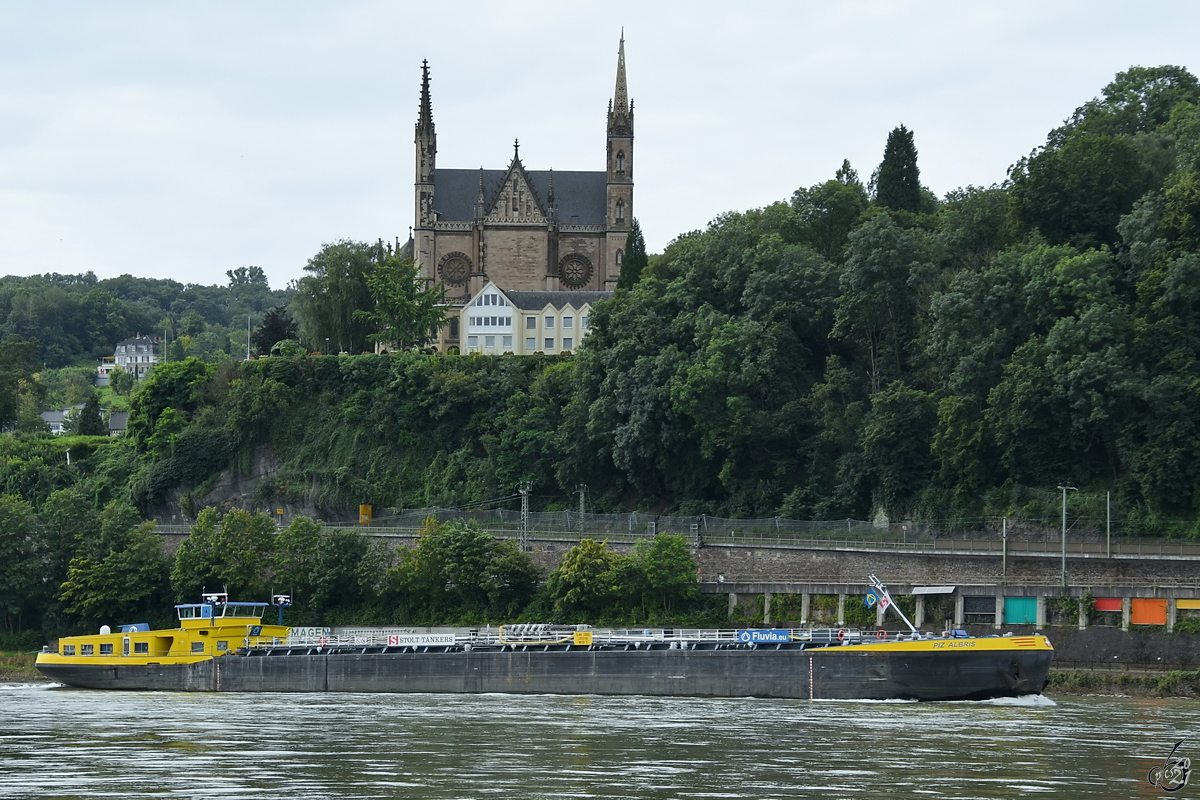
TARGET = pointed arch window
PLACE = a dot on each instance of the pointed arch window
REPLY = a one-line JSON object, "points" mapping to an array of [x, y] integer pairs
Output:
{"points": [[620, 257], [620, 162], [620, 211]]}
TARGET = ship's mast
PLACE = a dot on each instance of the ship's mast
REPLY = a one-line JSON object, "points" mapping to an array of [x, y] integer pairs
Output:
{"points": [[883, 592]]}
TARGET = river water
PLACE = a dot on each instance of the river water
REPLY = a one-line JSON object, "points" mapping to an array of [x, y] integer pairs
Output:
{"points": [[64, 743]]}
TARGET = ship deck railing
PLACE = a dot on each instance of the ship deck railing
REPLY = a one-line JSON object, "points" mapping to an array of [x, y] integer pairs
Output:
{"points": [[562, 635]]}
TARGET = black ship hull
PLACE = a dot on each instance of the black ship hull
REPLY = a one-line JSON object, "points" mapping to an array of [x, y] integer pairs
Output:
{"points": [[837, 673]]}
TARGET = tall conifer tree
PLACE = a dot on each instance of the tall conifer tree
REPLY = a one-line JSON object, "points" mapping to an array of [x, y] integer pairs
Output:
{"points": [[90, 423], [899, 183], [635, 259]]}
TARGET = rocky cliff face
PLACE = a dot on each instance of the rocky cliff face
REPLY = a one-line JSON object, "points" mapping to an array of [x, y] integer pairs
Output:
{"points": [[249, 486]]}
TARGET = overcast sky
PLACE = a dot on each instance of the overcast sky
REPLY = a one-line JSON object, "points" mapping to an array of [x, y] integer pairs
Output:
{"points": [[182, 140]]}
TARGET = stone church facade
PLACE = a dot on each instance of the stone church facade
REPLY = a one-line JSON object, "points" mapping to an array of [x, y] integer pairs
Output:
{"points": [[520, 229]]}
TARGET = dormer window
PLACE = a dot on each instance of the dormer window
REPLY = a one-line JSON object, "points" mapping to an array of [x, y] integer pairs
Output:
{"points": [[621, 162]]}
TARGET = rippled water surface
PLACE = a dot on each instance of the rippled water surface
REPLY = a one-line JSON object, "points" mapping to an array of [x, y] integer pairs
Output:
{"points": [[58, 743]]}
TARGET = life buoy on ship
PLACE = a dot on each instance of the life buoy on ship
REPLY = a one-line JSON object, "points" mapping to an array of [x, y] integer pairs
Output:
{"points": [[841, 634], [882, 634], [322, 641]]}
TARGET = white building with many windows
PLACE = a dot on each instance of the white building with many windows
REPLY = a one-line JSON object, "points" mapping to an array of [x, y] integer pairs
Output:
{"points": [[137, 355], [522, 323]]}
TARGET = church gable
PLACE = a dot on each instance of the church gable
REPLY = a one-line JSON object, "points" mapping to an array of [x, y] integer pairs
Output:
{"points": [[515, 199]]}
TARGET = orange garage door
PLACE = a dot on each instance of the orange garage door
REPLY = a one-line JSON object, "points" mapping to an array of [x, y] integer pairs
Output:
{"points": [[1146, 611]]}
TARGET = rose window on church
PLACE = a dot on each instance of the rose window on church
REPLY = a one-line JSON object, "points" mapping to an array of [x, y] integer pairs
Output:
{"points": [[575, 271], [455, 268]]}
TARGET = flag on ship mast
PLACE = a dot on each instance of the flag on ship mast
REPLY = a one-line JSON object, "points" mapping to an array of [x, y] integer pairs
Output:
{"points": [[879, 596]]}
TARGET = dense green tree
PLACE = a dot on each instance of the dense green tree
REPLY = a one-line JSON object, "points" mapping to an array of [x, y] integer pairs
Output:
{"points": [[458, 571], [1064, 397], [68, 517], [178, 385], [22, 553], [830, 210], [349, 573], [1139, 100], [1181, 214], [120, 572], [584, 581], [670, 570], [408, 308], [1076, 193], [88, 421], [513, 579], [978, 320], [964, 448], [295, 561], [249, 288], [254, 404], [334, 288], [898, 185], [635, 258], [233, 553], [976, 225], [18, 360], [835, 481], [276, 326], [896, 443], [879, 305], [122, 382]]}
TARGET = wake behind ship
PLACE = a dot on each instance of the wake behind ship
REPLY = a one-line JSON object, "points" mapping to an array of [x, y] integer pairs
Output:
{"points": [[225, 647]]}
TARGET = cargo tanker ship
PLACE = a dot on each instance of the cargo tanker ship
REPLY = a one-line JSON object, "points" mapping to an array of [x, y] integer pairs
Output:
{"points": [[224, 646]]}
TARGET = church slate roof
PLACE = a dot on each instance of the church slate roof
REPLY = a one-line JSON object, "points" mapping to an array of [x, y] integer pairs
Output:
{"points": [[580, 196], [535, 301]]}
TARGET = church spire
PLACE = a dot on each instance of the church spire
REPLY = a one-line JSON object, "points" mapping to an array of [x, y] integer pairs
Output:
{"points": [[619, 193], [620, 110], [426, 141], [425, 117], [621, 94]]}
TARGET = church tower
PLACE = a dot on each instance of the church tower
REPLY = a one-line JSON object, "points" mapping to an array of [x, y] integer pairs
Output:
{"points": [[554, 237], [426, 141], [619, 205]]}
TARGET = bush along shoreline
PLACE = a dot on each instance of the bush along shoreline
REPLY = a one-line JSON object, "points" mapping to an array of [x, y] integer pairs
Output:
{"points": [[18, 668], [1171, 683]]}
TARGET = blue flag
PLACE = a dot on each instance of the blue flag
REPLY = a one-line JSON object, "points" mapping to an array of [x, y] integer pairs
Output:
{"points": [[871, 599]]}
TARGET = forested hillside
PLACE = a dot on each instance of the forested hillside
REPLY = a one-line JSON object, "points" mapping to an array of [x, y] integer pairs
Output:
{"points": [[78, 319], [852, 350]]}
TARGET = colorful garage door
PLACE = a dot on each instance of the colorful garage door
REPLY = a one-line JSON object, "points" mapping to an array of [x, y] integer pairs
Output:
{"points": [[1147, 611], [1020, 611], [1108, 604]]}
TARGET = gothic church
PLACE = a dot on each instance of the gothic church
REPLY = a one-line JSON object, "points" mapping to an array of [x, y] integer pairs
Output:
{"points": [[523, 230]]}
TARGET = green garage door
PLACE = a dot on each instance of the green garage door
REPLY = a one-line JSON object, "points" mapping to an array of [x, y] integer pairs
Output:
{"points": [[1020, 611]]}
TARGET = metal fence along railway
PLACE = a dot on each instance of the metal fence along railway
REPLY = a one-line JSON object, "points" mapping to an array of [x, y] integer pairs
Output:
{"points": [[1023, 537]]}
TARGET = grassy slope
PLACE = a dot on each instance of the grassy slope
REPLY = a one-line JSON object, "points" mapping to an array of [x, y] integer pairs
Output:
{"points": [[19, 667]]}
